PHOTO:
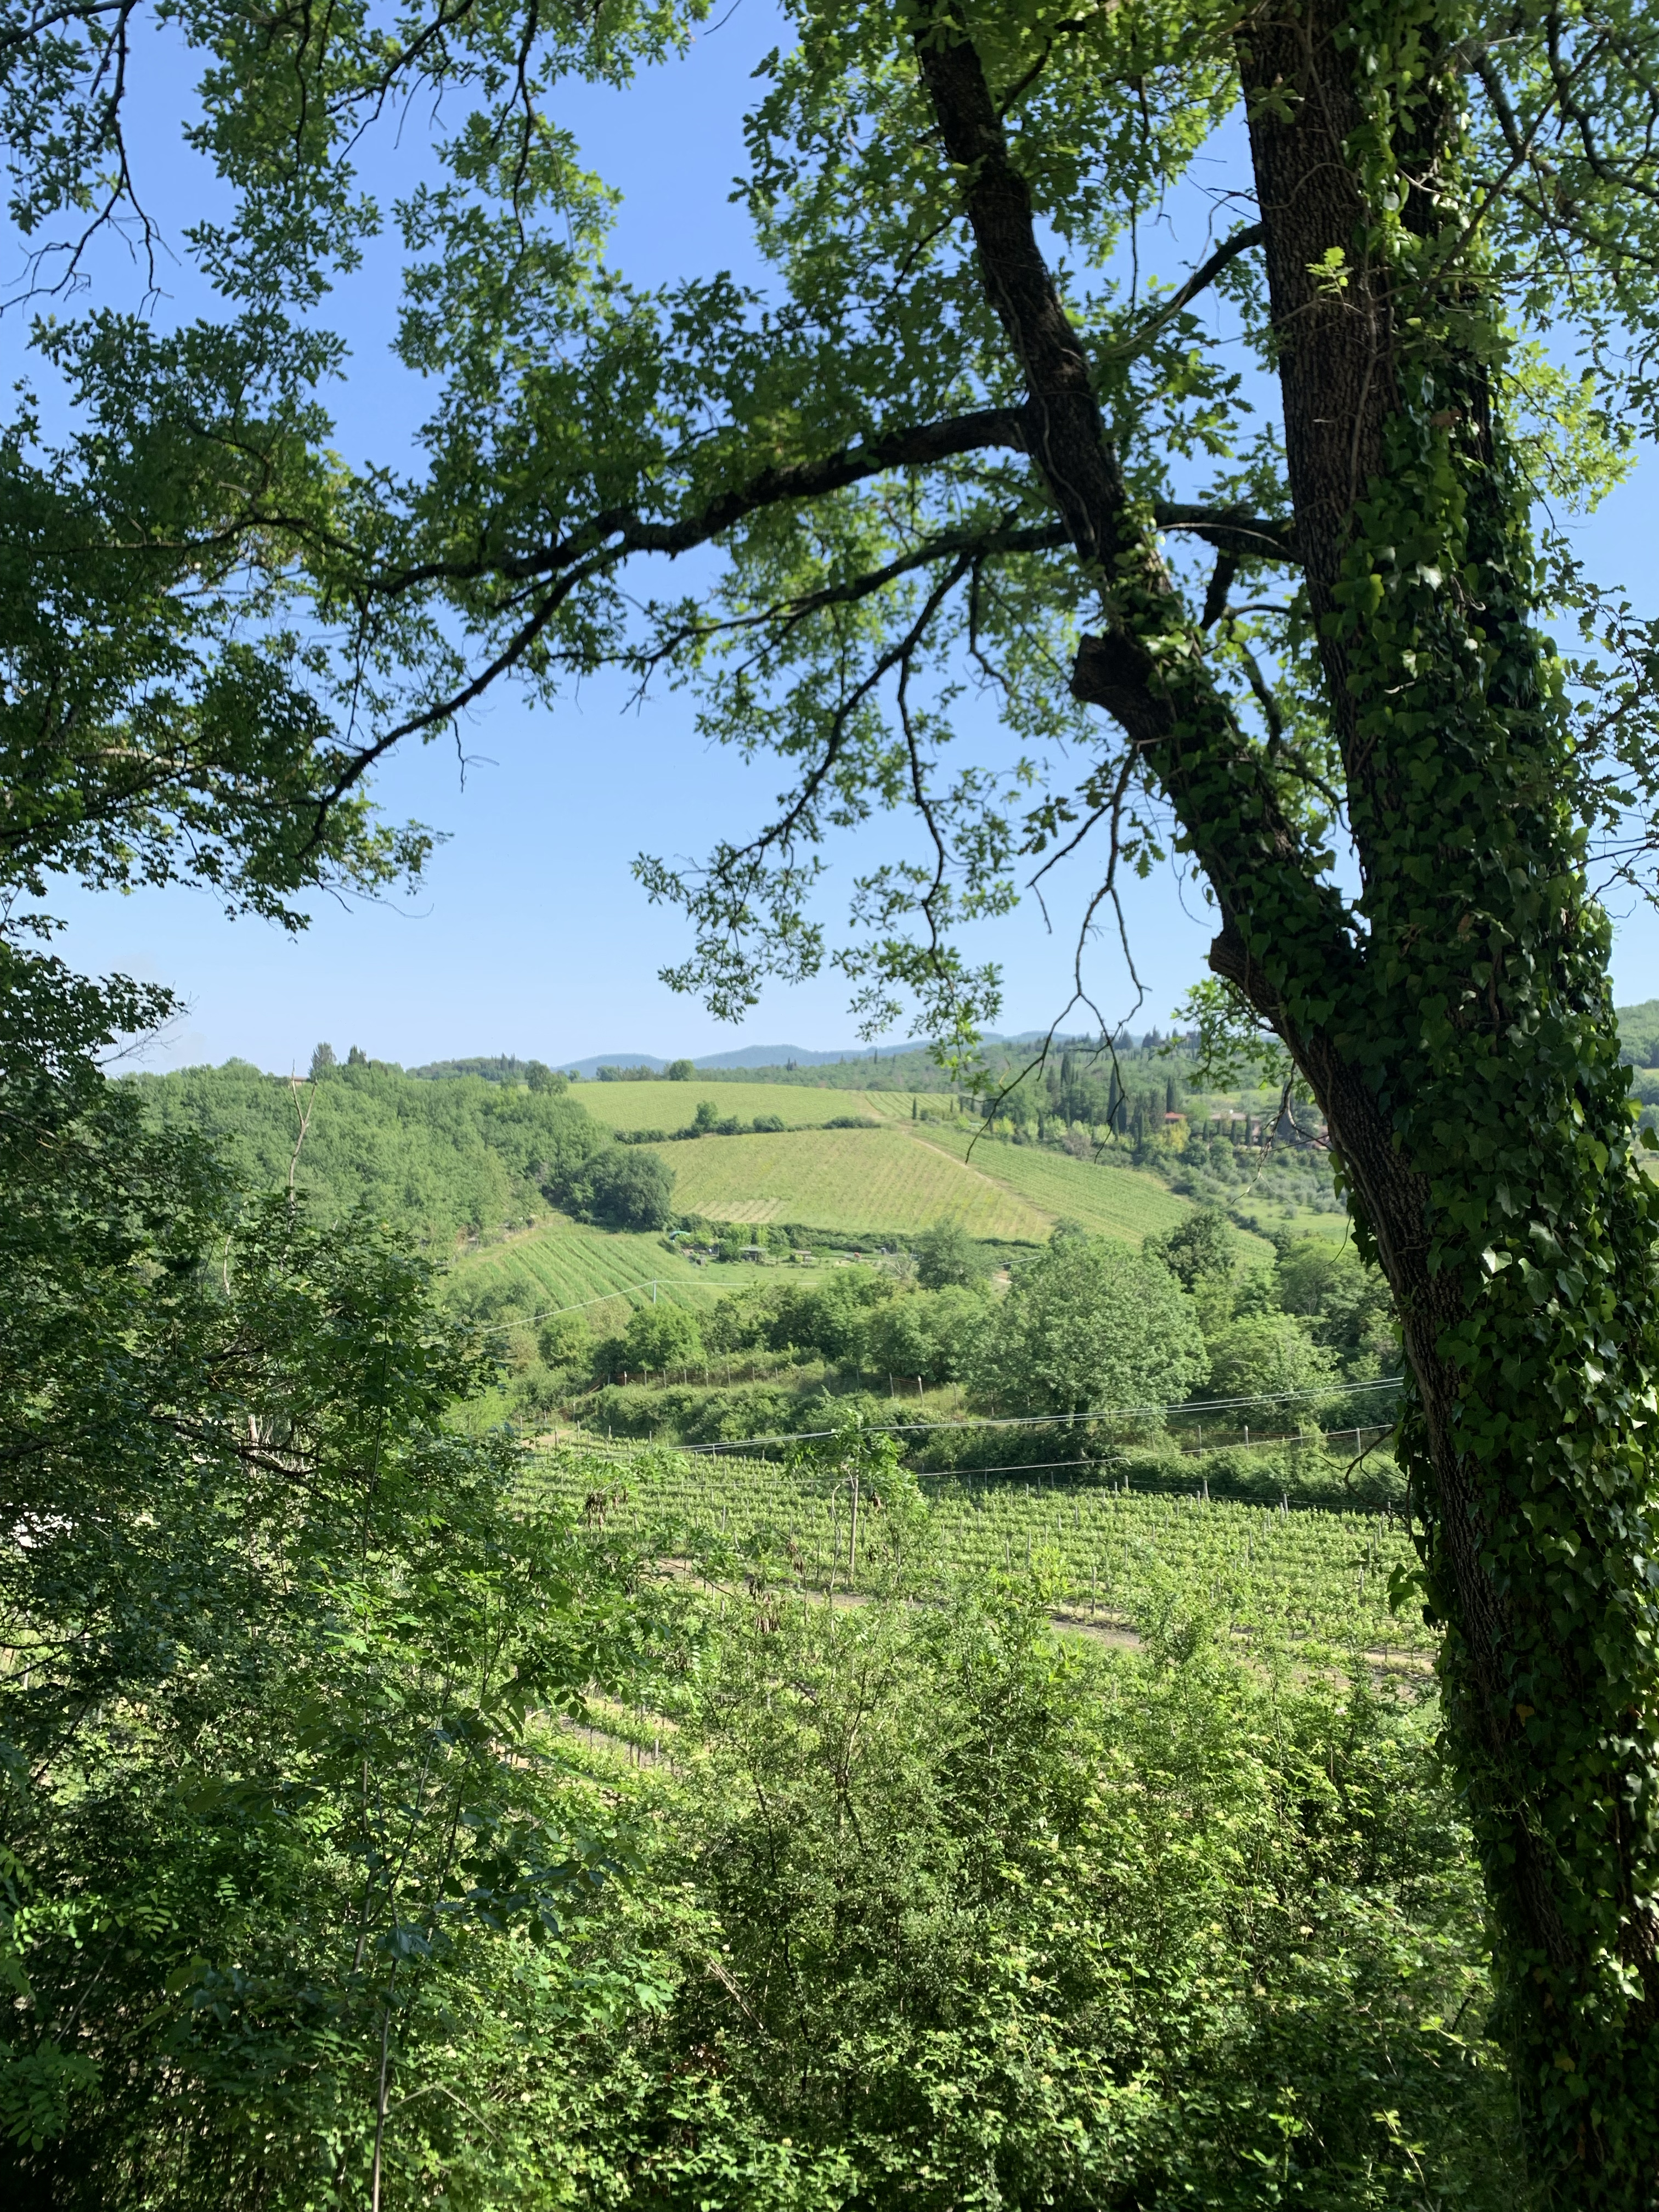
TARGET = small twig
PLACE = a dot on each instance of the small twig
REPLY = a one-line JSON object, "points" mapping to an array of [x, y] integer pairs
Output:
{"points": [[304, 1113]]}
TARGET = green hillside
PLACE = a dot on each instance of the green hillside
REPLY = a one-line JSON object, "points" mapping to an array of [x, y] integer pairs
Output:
{"points": [[563, 1263], [1639, 1033], [861, 1180], [463, 1158], [1110, 1201], [469, 1159]]}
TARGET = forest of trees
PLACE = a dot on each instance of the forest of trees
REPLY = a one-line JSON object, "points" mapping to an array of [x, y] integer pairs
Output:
{"points": [[439, 1160], [1084, 1325]]}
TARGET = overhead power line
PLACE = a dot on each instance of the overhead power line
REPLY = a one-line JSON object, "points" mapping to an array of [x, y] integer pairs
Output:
{"points": [[1050, 1420], [550, 1313]]}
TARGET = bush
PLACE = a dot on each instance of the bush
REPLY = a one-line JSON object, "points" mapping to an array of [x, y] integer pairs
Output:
{"points": [[932, 1334], [661, 1336], [689, 1415], [1088, 1324], [945, 1255], [1199, 1250], [1261, 1357], [1001, 1921], [827, 1316], [622, 1187]]}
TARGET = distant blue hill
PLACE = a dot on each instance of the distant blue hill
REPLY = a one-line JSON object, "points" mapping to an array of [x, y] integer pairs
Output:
{"points": [[748, 1055], [771, 1055], [505, 1068]]}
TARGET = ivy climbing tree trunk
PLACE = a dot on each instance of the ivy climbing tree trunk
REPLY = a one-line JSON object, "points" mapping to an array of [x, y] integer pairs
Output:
{"points": [[1464, 1050], [1472, 1084]]}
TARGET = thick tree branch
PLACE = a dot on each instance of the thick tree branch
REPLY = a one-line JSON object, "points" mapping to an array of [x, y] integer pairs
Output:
{"points": [[1162, 698], [1065, 434], [618, 532], [1205, 274]]}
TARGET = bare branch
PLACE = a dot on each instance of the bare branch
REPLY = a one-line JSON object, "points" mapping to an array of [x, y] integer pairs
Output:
{"points": [[1241, 241]]}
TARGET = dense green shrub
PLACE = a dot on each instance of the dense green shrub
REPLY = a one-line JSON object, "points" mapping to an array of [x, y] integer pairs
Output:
{"points": [[933, 1335], [947, 1911], [1088, 1324], [272, 1627], [689, 1414], [946, 1256], [620, 1186], [1264, 1356], [656, 1336]]}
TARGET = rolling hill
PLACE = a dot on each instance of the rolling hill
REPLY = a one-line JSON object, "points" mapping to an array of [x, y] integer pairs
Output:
{"points": [[863, 1182], [477, 1162], [905, 1176], [1107, 1200], [563, 1264]]}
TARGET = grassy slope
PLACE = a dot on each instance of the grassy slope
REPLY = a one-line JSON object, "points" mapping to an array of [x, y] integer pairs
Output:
{"points": [[1112, 1201], [565, 1263], [848, 1179], [671, 1105], [899, 1177]]}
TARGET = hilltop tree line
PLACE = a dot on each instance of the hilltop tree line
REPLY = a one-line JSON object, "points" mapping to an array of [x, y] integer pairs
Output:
{"points": [[462, 1158]]}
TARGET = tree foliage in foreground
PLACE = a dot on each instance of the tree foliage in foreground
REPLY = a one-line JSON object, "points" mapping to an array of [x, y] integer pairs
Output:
{"points": [[951, 438], [276, 1827], [302, 1903], [961, 1914]]}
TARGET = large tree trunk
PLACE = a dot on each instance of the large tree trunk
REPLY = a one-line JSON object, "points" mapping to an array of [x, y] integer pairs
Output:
{"points": [[1476, 1102], [1475, 1099], [1458, 1032]]}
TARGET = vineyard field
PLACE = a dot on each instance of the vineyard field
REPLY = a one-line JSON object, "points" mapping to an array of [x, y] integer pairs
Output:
{"points": [[563, 1263], [1109, 1556], [1107, 1200], [859, 1180]]}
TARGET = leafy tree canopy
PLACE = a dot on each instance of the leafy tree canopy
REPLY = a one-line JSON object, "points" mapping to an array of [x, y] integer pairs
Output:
{"points": [[1201, 1249], [436, 1159], [1088, 1326], [660, 1336], [275, 1628], [623, 1187], [945, 1253]]}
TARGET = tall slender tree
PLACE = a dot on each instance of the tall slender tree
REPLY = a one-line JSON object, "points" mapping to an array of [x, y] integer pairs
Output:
{"points": [[949, 436]]}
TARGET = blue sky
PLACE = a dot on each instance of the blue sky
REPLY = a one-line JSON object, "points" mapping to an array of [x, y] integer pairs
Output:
{"points": [[530, 935]]}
